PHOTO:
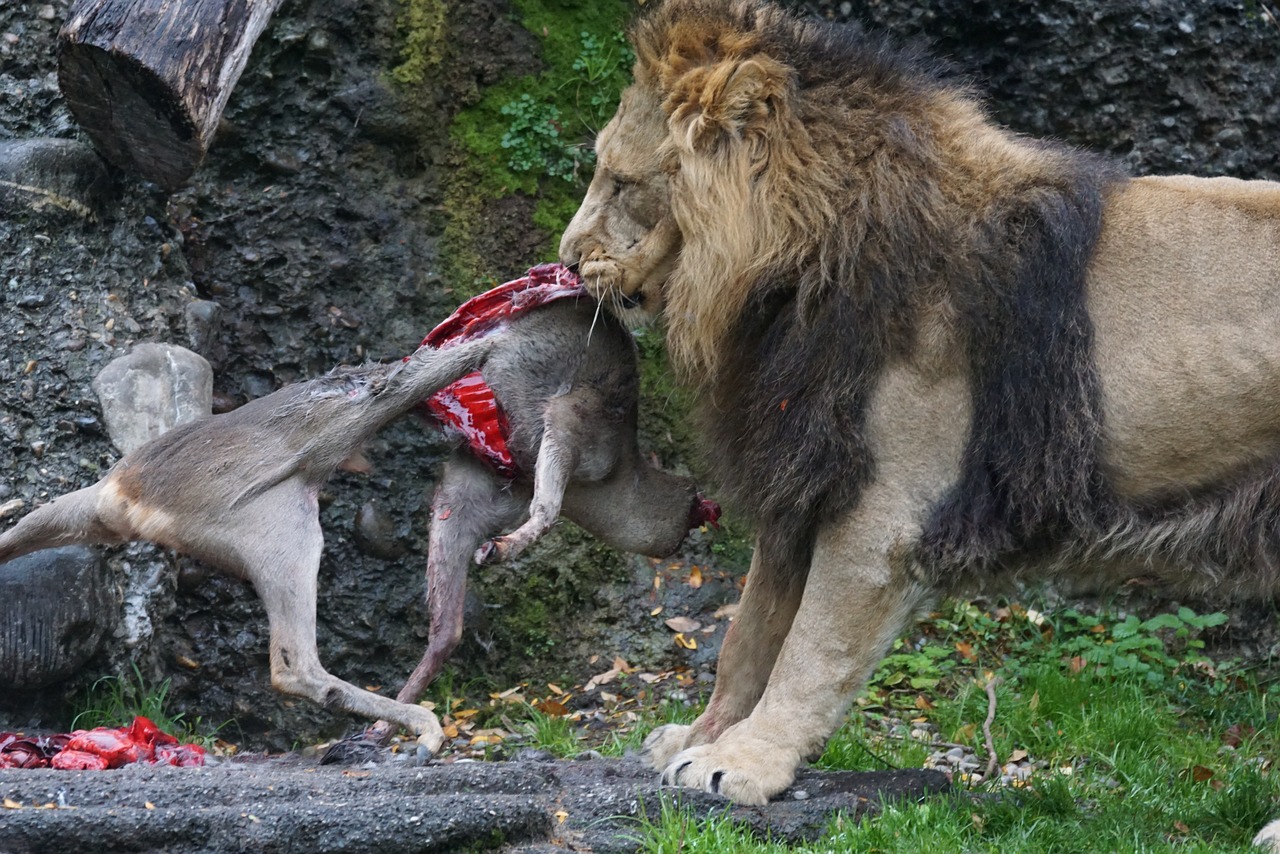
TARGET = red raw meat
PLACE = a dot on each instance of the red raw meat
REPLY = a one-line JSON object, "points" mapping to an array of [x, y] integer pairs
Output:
{"points": [[181, 755], [78, 760], [19, 751], [99, 749], [113, 745], [468, 407]]}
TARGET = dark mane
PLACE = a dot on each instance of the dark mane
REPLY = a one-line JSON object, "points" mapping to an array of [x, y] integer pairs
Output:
{"points": [[786, 415]]}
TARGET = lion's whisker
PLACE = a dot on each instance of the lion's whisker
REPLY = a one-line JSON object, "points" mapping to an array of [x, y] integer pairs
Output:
{"points": [[595, 317]]}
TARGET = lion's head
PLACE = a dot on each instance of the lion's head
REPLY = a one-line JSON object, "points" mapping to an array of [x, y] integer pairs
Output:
{"points": [[623, 238], [707, 178]]}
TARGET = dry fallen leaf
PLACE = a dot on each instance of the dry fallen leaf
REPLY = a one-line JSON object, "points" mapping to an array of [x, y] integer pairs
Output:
{"points": [[695, 577], [683, 624], [601, 679], [11, 804], [149, 805], [552, 709], [687, 643], [561, 815], [1017, 756], [656, 611]]}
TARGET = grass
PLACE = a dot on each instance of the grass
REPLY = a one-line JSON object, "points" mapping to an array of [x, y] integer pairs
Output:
{"points": [[115, 701], [1138, 742]]}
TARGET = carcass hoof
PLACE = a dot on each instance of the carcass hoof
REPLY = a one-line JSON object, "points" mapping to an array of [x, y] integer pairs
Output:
{"points": [[355, 750], [493, 551]]}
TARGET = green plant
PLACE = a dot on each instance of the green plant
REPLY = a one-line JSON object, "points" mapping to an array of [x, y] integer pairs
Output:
{"points": [[602, 68], [538, 140], [114, 701], [1154, 648], [533, 139], [552, 733]]}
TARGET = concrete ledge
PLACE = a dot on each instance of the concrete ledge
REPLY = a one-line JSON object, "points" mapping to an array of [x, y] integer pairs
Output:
{"points": [[290, 804]]}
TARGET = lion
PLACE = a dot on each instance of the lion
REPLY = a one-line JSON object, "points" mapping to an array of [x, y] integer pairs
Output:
{"points": [[932, 355]]}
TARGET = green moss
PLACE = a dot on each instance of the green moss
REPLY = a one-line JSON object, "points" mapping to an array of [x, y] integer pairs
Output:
{"points": [[531, 134], [537, 608], [422, 25], [463, 269]]}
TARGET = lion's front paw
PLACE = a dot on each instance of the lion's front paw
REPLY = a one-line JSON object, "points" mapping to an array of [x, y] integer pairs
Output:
{"points": [[664, 743], [745, 770]]}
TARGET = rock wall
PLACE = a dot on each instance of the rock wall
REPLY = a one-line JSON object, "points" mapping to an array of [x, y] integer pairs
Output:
{"points": [[309, 237]]}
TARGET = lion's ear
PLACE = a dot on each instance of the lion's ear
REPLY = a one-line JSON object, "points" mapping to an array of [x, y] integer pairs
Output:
{"points": [[732, 99]]}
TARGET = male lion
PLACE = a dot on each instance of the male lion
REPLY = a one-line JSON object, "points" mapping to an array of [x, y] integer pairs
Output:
{"points": [[931, 353]]}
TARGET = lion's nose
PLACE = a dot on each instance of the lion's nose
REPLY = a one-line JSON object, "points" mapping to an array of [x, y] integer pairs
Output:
{"points": [[570, 254]]}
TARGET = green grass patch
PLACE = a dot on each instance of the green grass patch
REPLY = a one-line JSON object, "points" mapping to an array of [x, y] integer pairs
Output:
{"points": [[1138, 742], [114, 701]]}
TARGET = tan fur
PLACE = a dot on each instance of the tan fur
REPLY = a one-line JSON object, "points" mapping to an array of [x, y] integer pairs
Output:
{"points": [[758, 181]]}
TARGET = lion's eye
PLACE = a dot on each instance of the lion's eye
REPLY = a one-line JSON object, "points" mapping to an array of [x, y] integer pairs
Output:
{"points": [[620, 184]]}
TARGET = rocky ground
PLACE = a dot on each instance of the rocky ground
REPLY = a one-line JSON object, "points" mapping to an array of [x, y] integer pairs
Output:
{"points": [[527, 805]]}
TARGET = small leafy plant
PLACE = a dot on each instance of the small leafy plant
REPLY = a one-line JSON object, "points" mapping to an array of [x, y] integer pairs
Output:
{"points": [[1153, 649], [540, 140], [533, 141]]}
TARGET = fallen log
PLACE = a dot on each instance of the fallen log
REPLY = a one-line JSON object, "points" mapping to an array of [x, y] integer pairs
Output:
{"points": [[148, 79]]}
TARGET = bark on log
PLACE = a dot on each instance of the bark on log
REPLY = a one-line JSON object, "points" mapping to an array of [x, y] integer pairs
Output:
{"points": [[148, 79]]}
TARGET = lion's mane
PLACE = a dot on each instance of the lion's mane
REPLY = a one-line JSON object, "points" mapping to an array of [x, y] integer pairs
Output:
{"points": [[831, 188]]}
